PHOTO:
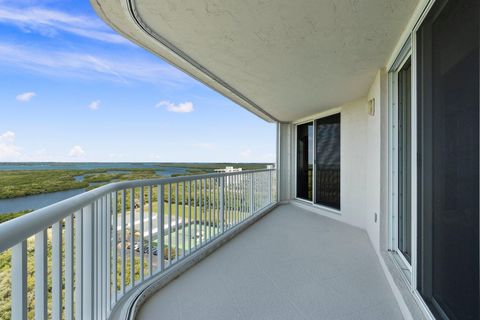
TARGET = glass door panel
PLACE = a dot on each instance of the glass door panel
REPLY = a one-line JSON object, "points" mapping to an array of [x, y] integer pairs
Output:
{"points": [[305, 161], [448, 190], [404, 161], [327, 161]]}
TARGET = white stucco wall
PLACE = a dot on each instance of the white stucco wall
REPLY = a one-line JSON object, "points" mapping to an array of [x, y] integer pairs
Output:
{"points": [[353, 166], [373, 155], [361, 140], [353, 162], [285, 160]]}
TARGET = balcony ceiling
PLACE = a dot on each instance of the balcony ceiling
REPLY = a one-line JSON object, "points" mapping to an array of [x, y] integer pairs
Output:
{"points": [[282, 60]]}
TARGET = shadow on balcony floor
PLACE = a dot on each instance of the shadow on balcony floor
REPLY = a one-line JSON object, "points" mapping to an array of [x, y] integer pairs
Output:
{"points": [[292, 264]]}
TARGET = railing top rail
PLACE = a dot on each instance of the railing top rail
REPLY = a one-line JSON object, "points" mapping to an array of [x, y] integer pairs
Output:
{"points": [[21, 228]]}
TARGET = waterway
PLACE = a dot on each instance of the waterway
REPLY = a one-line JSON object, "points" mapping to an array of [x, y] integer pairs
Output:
{"points": [[45, 199]]}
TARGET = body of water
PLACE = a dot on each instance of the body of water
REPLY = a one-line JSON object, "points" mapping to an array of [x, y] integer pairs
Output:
{"points": [[36, 201], [45, 199], [161, 170]]}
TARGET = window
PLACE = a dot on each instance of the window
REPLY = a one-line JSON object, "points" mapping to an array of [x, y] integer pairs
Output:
{"points": [[448, 159], [318, 161]]}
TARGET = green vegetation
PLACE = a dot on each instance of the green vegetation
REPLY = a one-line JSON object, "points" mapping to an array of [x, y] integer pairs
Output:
{"points": [[9, 216], [20, 183], [24, 182]]}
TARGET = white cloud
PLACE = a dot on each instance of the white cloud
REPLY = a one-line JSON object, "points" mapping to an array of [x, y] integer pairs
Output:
{"points": [[76, 152], [183, 107], [26, 96], [50, 23], [88, 65], [246, 153], [94, 105], [8, 149]]}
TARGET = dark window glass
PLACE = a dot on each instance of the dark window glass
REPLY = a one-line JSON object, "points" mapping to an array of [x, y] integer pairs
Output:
{"points": [[404, 161], [327, 161], [448, 105], [304, 160]]}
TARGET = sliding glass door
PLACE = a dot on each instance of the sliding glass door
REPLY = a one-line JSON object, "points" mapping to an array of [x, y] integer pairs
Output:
{"points": [[448, 171], [305, 161], [404, 220], [318, 161], [327, 161]]}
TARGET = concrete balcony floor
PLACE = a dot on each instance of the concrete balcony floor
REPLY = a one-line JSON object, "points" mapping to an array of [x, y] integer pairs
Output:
{"points": [[292, 264]]}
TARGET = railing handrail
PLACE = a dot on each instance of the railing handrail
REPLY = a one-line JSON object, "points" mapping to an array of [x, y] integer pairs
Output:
{"points": [[21, 228]]}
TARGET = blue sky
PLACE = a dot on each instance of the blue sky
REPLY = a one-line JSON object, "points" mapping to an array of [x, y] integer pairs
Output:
{"points": [[71, 89]]}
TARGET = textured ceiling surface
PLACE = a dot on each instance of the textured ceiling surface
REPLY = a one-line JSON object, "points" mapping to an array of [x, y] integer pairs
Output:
{"points": [[290, 58]]}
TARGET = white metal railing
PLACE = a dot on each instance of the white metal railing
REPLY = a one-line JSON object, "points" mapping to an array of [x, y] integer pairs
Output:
{"points": [[91, 250]]}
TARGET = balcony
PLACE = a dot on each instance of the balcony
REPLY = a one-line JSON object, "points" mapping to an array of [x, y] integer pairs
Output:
{"points": [[96, 253], [291, 264], [370, 213], [276, 261]]}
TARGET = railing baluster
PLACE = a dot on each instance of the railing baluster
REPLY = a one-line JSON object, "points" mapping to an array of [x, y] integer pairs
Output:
{"points": [[232, 200], [214, 199], [177, 249], [142, 230], [161, 229], [235, 197], [225, 203], [200, 209], [108, 280], [57, 270], [100, 257], [244, 196], [209, 209], [150, 228], [251, 194], [88, 247], [19, 281], [96, 256], [169, 225], [105, 256], [115, 244], [222, 206], [189, 217], [195, 212], [204, 204], [241, 197], [69, 267], [132, 237], [234, 205], [41, 275], [78, 264], [123, 239], [183, 219]]}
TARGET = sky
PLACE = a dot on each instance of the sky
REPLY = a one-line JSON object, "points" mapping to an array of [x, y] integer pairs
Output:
{"points": [[72, 89]]}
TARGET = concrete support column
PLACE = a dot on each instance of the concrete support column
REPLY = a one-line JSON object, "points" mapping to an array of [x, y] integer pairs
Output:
{"points": [[285, 161]]}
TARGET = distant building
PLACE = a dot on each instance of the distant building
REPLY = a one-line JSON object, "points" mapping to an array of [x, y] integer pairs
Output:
{"points": [[229, 169]]}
